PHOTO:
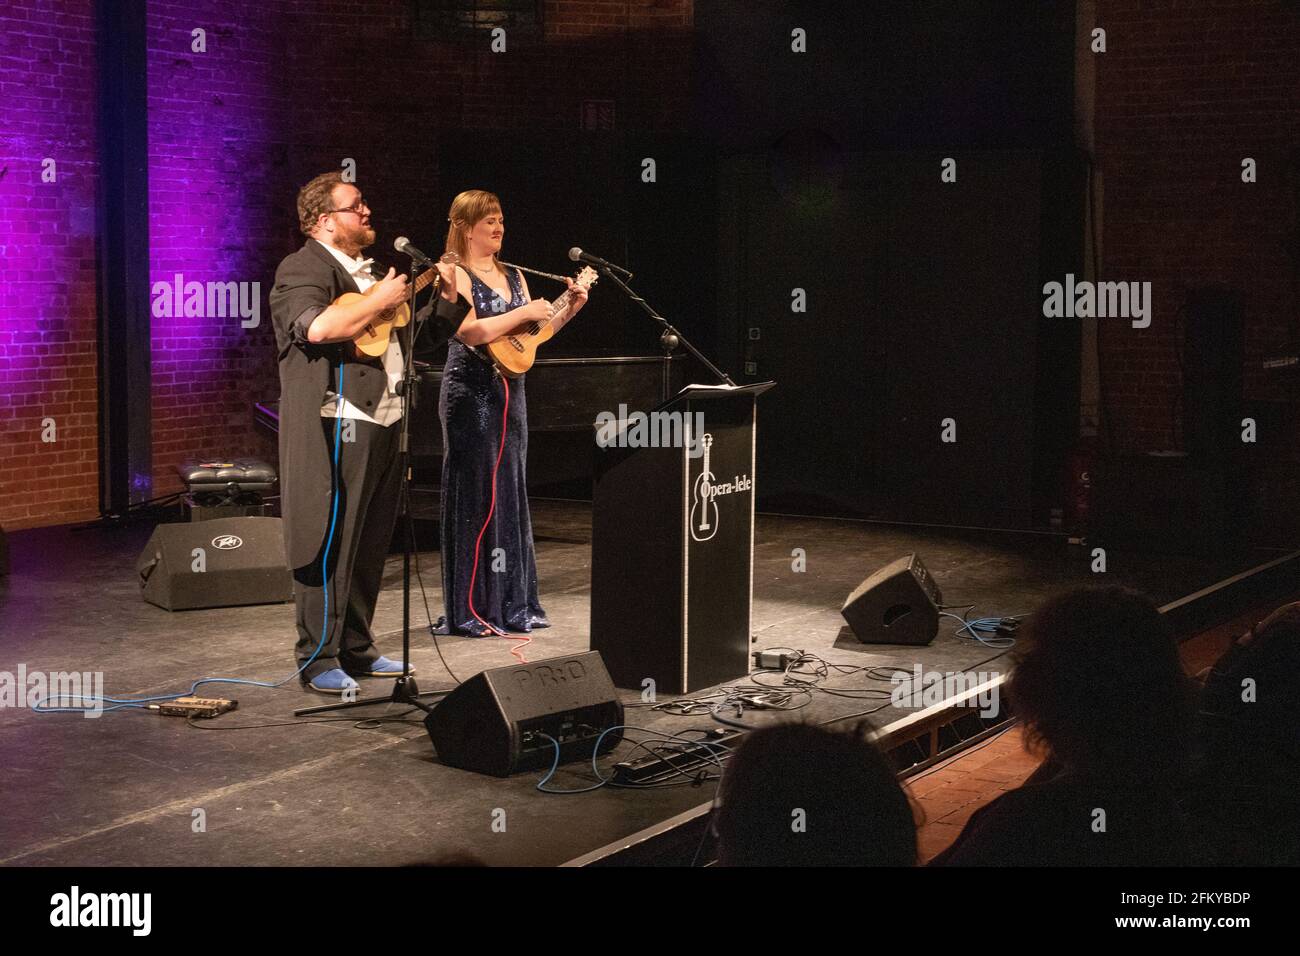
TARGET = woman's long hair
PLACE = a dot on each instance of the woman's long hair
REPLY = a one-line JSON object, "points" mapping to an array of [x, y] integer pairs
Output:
{"points": [[466, 211]]}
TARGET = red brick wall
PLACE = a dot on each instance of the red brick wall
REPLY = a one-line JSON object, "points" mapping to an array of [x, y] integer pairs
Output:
{"points": [[1184, 93], [47, 244]]}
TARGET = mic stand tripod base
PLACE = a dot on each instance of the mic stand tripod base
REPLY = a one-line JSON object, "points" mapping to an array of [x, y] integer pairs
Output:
{"points": [[405, 691]]}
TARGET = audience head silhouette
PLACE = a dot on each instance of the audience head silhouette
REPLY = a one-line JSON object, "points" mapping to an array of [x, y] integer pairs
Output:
{"points": [[802, 795], [1246, 796], [1102, 695], [1099, 686]]}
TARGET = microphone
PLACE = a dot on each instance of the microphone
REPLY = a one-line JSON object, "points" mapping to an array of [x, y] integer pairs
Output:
{"points": [[577, 255], [402, 244]]}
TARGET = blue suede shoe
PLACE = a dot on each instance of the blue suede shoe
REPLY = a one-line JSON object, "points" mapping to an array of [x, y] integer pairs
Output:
{"points": [[333, 682], [381, 667]]}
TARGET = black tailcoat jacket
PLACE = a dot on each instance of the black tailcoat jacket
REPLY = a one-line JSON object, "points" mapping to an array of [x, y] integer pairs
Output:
{"points": [[305, 284]]}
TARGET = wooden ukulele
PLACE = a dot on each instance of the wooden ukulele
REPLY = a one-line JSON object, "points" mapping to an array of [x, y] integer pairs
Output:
{"points": [[372, 340], [515, 352]]}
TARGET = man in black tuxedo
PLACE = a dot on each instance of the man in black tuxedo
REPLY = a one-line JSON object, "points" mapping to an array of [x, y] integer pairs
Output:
{"points": [[339, 429]]}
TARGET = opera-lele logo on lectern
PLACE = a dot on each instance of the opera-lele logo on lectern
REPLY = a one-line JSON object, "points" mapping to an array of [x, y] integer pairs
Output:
{"points": [[705, 491]]}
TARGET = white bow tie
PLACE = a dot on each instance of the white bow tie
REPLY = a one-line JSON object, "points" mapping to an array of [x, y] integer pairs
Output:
{"points": [[363, 267]]}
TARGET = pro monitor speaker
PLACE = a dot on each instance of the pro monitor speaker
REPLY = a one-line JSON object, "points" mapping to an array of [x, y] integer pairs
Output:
{"points": [[221, 563], [899, 604], [503, 720]]}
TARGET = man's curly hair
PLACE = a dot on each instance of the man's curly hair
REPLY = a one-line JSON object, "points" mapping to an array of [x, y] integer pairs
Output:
{"points": [[315, 199]]}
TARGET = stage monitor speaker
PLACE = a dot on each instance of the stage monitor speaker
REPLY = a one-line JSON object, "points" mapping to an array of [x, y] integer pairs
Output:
{"points": [[226, 562], [899, 604], [498, 721]]}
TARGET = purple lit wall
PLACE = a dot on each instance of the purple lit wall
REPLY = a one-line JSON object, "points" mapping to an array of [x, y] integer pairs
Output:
{"points": [[48, 174], [213, 124]]}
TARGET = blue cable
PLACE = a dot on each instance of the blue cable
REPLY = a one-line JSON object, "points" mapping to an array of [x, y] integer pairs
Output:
{"points": [[41, 707], [329, 539], [986, 624]]}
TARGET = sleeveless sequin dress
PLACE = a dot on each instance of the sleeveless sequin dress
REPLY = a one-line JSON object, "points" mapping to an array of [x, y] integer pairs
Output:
{"points": [[470, 405]]}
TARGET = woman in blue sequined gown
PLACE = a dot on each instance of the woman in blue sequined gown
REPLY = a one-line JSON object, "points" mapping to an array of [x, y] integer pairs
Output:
{"points": [[471, 405]]}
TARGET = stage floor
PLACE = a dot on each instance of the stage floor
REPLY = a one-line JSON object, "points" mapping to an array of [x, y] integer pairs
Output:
{"points": [[127, 788]]}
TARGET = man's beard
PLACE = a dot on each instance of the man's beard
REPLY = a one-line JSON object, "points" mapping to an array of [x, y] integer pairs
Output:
{"points": [[358, 238]]}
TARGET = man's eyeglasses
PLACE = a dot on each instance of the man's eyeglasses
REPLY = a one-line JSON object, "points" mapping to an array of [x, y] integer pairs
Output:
{"points": [[356, 207]]}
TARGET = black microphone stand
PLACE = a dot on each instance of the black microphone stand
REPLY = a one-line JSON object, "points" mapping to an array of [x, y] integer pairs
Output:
{"points": [[669, 338], [405, 690]]}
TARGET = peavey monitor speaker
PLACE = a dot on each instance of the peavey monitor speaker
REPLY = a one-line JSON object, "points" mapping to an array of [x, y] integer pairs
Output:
{"points": [[899, 604], [499, 720], [225, 562]]}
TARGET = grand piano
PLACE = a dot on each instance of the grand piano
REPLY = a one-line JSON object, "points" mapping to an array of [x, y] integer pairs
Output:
{"points": [[564, 397]]}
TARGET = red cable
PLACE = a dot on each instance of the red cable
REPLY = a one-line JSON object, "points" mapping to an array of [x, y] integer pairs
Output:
{"points": [[473, 576]]}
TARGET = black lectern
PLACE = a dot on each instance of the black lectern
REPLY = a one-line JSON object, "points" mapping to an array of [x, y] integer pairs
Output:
{"points": [[672, 540]]}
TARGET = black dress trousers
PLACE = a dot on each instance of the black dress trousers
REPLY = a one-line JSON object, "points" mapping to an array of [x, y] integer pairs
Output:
{"points": [[336, 594]]}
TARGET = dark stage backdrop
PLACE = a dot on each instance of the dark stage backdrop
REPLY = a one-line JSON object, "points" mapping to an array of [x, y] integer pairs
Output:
{"points": [[923, 297], [774, 170], [922, 305], [586, 189]]}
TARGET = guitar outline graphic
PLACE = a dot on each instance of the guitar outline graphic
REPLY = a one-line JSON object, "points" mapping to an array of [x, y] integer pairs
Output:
{"points": [[702, 494]]}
